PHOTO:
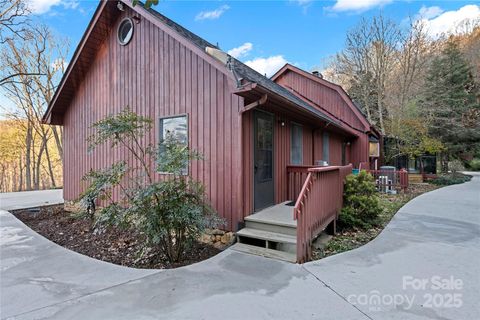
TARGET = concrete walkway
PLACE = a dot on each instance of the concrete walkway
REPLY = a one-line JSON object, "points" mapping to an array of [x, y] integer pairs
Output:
{"points": [[436, 234], [29, 199]]}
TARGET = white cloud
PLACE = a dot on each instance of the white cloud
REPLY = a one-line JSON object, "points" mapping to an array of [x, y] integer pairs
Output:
{"points": [[44, 6], [211, 15], [268, 65], [70, 4], [241, 51], [302, 2], [452, 22], [357, 5], [59, 64], [429, 12]]}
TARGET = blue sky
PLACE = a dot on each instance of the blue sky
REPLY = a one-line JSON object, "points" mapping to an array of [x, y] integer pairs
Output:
{"points": [[302, 32]]}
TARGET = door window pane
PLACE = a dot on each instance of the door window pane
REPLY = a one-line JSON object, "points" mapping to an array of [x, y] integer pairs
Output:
{"points": [[264, 148]]}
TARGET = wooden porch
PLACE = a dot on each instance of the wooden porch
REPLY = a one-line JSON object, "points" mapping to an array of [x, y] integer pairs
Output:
{"points": [[286, 230]]}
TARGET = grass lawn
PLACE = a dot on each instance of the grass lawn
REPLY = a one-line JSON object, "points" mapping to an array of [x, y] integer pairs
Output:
{"points": [[350, 239]]}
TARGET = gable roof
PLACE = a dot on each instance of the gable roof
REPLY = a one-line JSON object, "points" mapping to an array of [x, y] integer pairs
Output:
{"points": [[102, 20], [248, 74], [355, 108], [242, 70]]}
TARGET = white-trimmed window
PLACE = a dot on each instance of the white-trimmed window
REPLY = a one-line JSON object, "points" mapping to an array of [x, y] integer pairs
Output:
{"points": [[373, 147], [296, 144], [125, 31], [177, 128]]}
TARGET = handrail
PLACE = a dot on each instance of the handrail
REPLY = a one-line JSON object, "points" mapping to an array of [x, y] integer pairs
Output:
{"points": [[318, 204], [296, 176], [302, 195], [323, 169]]}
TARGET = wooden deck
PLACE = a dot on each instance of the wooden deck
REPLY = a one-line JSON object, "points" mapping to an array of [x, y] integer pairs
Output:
{"points": [[290, 228], [280, 214]]}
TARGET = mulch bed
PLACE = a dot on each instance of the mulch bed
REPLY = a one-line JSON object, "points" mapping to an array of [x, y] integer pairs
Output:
{"points": [[122, 247]]}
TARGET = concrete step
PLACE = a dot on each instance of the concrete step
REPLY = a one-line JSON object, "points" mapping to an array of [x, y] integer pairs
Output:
{"points": [[267, 235], [264, 252], [267, 239], [271, 226]]}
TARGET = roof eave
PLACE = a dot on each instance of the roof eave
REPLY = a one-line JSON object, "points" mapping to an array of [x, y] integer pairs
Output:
{"points": [[260, 91], [47, 117], [334, 86]]}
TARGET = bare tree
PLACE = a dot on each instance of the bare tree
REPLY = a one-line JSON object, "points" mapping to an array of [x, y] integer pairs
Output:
{"points": [[367, 61], [13, 25], [13, 19], [39, 60]]}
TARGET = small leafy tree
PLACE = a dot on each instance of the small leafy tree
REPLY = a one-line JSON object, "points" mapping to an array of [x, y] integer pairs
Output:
{"points": [[409, 135], [171, 213], [361, 204]]}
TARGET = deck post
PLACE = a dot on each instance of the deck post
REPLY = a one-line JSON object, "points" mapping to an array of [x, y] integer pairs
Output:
{"points": [[331, 228]]}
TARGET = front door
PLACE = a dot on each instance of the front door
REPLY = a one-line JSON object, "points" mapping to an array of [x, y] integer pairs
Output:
{"points": [[263, 160]]}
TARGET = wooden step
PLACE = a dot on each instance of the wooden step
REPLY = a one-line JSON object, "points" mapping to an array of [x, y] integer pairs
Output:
{"points": [[264, 252], [270, 226], [267, 235]]}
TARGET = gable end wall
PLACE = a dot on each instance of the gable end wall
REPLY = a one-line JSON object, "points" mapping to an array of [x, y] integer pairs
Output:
{"points": [[155, 75]]}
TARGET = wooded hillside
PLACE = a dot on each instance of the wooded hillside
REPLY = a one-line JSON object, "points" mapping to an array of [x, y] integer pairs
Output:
{"points": [[421, 91]]}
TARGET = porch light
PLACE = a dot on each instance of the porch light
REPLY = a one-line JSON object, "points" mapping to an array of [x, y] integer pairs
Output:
{"points": [[120, 6]]}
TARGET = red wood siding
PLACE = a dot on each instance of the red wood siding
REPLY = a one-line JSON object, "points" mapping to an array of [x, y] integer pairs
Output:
{"points": [[155, 75], [312, 150], [333, 104], [335, 146], [328, 99]]}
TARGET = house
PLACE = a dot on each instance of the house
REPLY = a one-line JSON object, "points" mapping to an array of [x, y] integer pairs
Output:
{"points": [[259, 136]]}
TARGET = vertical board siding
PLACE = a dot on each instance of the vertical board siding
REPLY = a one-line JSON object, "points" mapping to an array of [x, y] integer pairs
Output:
{"points": [[155, 75], [331, 103], [327, 98], [312, 150]]}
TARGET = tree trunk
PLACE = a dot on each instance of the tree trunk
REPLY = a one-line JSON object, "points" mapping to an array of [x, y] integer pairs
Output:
{"points": [[50, 169], [58, 141], [28, 158], [20, 173], [38, 164], [444, 160]]}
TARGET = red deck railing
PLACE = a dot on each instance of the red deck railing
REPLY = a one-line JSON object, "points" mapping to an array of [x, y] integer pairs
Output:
{"points": [[390, 180], [296, 176], [319, 203], [364, 166]]}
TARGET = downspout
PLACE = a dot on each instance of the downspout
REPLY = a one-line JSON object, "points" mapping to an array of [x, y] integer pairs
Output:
{"points": [[255, 104]]}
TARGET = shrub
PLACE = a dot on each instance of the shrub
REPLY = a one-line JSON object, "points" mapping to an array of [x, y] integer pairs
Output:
{"points": [[474, 164], [361, 202], [451, 178], [170, 213], [455, 166]]}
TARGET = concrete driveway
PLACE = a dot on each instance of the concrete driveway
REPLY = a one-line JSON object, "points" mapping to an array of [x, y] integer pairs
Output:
{"points": [[29, 199], [433, 240]]}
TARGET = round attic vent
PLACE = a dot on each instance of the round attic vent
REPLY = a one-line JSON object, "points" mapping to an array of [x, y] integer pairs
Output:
{"points": [[125, 31]]}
